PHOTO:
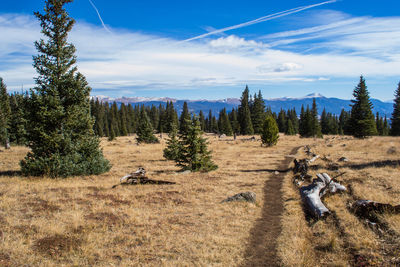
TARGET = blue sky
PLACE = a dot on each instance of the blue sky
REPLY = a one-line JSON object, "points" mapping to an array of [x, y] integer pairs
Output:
{"points": [[164, 48]]}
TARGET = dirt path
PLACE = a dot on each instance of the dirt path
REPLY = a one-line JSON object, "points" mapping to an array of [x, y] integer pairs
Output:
{"points": [[263, 236]]}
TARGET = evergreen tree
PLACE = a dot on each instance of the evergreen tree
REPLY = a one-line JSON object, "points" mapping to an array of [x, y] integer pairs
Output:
{"points": [[344, 123], [386, 128], [234, 121], [224, 124], [173, 149], [379, 124], [289, 128], [60, 128], [244, 116], [202, 121], [270, 133], [5, 112], [324, 123], [194, 154], [111, 135], [362, 120], [17, 132], [122, 118], [395, 130], [258, 113], [282, 121], [184, 118], [315, 126], [145, 130]]}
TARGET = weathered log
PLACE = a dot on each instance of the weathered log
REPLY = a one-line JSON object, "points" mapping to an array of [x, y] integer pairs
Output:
{"points": [[139, 177], [312, 194], [362, 208]]}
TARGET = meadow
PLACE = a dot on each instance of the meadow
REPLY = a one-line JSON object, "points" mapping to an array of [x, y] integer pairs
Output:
{"points": [[82, 221]]}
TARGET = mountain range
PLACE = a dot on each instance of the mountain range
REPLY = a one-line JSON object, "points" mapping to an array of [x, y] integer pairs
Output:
{"points": [[331, 104]]}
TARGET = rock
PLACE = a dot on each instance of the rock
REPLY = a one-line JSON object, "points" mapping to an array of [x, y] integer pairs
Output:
{"points": [[276, 172], [244, 196], [344, 145], [343, 159], [329, 145], [392, 150], [222, 136]]}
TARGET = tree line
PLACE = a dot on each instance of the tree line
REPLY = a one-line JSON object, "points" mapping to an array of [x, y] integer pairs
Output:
{"points": [[112, 120]]}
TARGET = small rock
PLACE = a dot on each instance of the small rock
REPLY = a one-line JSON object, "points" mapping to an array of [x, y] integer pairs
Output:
{"points": [[276, 172], [244, 196], [329, 145], [222, 136], [344, 145], [392, 150], [343, 159]]}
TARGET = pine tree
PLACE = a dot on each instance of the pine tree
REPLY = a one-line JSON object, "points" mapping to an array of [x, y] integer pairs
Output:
{"points": [[324, 123], [145, 130], [224, 124], [111, 135], [5, 112], [289, 128], [282, 121], [184, 118], [60, 128], [270, 133], [244, 116], [315, 126], [202, 121], [173, 149], [258, 113], [395, 130], [17, 132], [234, 121], [194, 154], [362, 120]]}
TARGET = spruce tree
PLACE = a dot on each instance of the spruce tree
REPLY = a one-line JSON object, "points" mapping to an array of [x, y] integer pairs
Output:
{"points": [[60, 128], [362, 121], [17, 132], [258, 113], [282, 121], [246, 126], [289, 128], [224, 124], [234, 121], [184, 118], [395, 130], [315, 126], [145, 130], [173, 149], [194, 154], [270, 133], [5, 112]]}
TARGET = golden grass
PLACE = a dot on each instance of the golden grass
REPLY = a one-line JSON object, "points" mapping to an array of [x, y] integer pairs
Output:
{"points": [[81, 221]]}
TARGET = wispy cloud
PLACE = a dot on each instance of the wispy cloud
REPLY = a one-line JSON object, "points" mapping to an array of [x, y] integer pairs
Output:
{"points": [[129, 60], [98, 14], [259, 20]]}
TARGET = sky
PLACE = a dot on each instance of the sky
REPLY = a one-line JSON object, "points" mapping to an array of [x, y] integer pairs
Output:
{"points": [[212, 49]]}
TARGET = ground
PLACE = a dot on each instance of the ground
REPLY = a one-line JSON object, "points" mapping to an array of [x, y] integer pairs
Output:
{"points": [[81, 221]]}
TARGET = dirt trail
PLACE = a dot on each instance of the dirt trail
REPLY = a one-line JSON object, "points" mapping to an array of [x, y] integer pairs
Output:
{"points": [[261, 250]]}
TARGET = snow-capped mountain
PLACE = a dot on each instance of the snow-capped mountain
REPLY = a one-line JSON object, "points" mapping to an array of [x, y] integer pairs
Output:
{"points": [[331, 104]]}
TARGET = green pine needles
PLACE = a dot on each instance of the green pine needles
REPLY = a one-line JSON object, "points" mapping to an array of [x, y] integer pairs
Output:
{"points": [[362, 119], [270, 132], [145, 129], [190, 151], [60, 127]]}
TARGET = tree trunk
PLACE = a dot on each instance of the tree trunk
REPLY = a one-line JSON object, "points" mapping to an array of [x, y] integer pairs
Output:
{"points": [[312, 194]]}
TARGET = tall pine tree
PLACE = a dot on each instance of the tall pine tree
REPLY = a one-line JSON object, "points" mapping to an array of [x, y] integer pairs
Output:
{"points": [[60, 128], [5, 112], [246, 126], [362, 121], [395, 130], [145, 129]]}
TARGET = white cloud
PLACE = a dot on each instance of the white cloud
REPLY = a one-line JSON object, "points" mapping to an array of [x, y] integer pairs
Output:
{"points": [[127, 60]]}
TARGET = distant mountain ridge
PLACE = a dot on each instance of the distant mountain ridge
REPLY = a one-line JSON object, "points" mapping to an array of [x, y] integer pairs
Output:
{"points": [[331, 104]]}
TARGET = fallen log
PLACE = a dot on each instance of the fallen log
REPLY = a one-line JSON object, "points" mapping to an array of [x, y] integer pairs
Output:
{"points": [[312, 194], [139, 177], [363, 208]]}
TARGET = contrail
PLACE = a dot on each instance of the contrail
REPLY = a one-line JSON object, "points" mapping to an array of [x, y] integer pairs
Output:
{"points": [[98, 14], [262, 19]]}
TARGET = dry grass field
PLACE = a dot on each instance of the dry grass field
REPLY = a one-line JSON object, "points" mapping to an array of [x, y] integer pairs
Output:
{"points": [[81, 221]]}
